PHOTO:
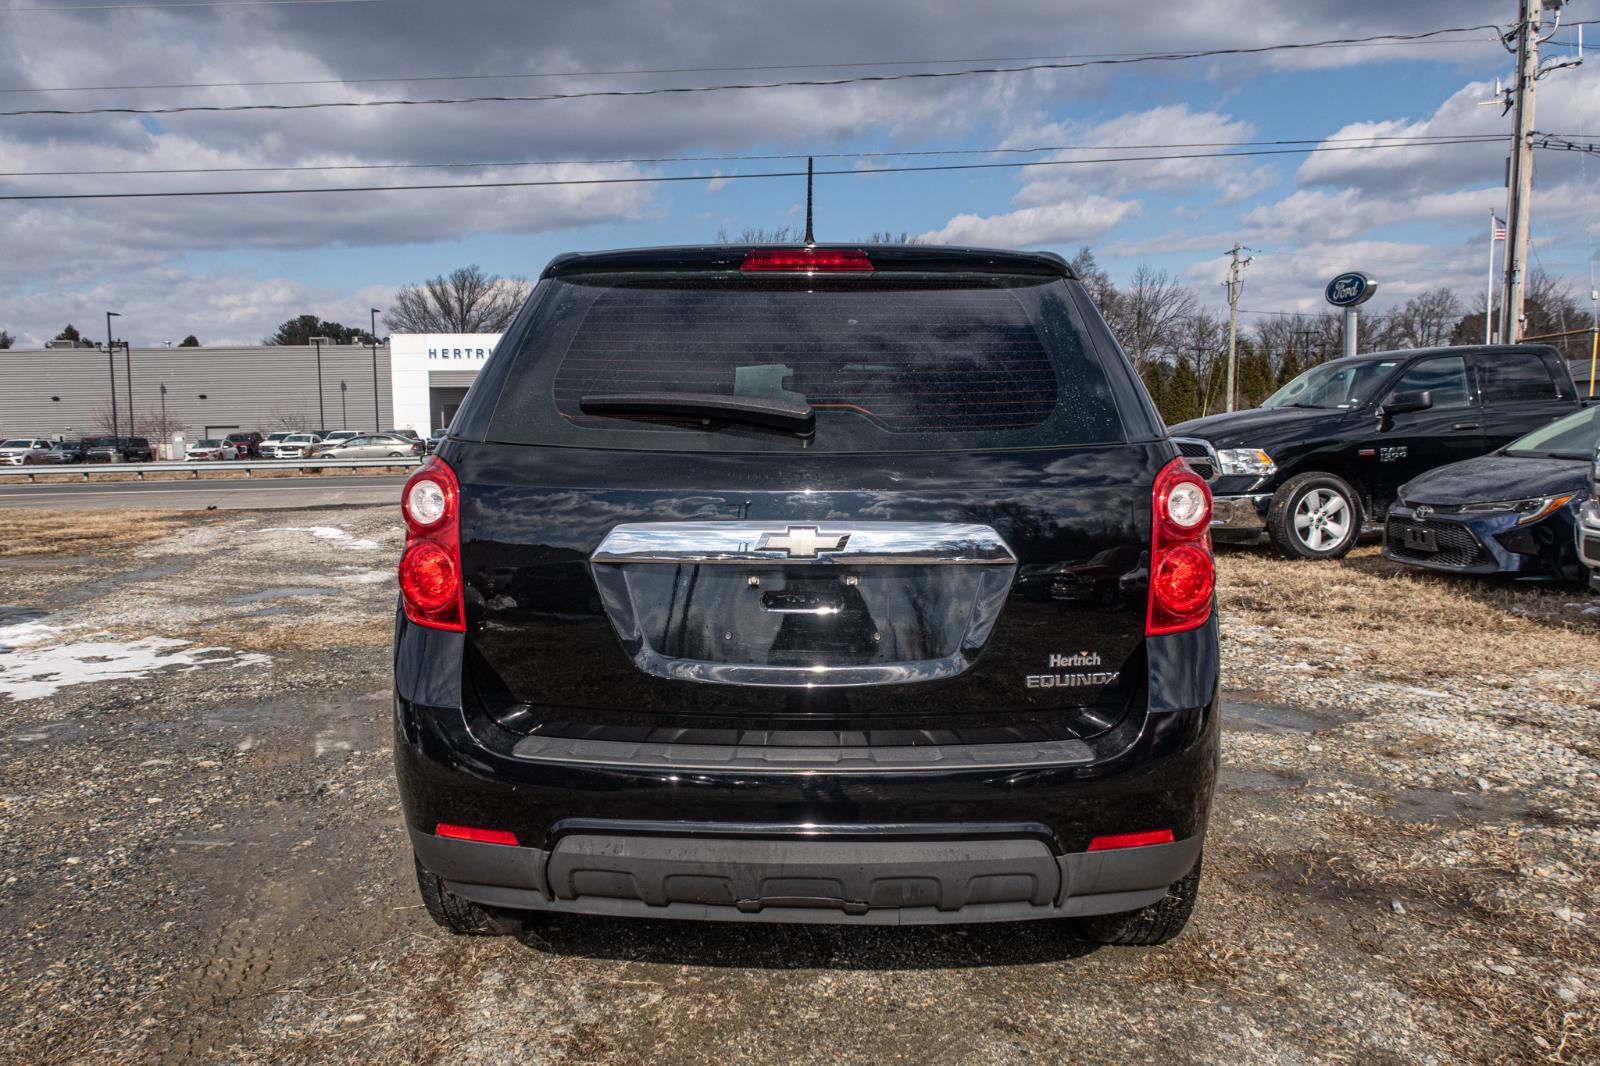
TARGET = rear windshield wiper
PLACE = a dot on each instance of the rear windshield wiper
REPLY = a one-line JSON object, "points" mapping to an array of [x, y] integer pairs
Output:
{"points": [[768, 412]]}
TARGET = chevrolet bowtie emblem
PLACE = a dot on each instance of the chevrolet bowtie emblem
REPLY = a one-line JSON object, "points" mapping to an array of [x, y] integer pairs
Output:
{"points": [[802, 542]]}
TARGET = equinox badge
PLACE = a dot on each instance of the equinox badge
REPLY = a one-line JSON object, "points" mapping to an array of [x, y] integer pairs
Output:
{"points": [[802, 542]]}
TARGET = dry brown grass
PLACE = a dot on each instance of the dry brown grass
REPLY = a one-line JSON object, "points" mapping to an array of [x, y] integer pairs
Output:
{"points": [[1408, 625], [29, 531]]}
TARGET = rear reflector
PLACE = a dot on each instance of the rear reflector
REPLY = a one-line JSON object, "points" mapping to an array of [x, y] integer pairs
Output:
{"points": [[805, 260], [1131, 840], [479, 836]]}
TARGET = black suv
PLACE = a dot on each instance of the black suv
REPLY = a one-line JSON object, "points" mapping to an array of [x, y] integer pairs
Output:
{"points": [[1324, 456], [749, 585], [106, 449]]}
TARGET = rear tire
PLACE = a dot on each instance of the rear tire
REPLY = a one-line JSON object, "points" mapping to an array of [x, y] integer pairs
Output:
{"points": [[1147, 926], [458, 914], [1315, 516]]}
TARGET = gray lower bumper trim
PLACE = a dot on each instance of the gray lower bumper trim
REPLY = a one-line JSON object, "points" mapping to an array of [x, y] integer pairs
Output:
{"points": [[854, 881], [772, 757]]}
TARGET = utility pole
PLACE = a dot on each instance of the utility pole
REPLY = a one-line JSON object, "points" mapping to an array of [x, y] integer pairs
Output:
{"points": [[372, 335], [1234, 283], [1305, 346], [322, 417], [111, 363], [1529, 14]]}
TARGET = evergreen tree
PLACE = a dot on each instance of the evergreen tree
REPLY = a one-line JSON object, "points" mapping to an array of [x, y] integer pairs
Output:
{"points": [[1182, 393], [191, 341], [1155, 383], [1290, 368], [1255, 375]]}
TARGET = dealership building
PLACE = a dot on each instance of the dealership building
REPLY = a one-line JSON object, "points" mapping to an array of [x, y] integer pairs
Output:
{"points": [[416, 382]]}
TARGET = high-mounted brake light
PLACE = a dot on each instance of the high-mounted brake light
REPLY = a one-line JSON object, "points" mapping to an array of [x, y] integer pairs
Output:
{"points": [[805, 260], [474, 834], [1182, 572], [1131, 840], [430, 566]]}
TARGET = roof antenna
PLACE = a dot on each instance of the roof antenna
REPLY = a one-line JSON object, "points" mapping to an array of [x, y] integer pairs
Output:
{"points": [[810, 238]]}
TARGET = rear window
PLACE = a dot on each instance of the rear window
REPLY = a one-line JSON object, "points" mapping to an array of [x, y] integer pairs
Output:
{"points": [[889, 362]]}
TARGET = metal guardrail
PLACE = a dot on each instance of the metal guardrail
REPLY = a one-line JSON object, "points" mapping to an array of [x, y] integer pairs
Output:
{"points": [[84, 471]]}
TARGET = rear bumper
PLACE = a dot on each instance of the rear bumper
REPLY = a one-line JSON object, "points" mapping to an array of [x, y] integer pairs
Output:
{"points": [[929, 875], [923, 833]]}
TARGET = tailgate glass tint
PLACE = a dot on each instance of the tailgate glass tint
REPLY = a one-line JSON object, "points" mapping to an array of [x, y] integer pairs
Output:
{"points": [[887, 361]]}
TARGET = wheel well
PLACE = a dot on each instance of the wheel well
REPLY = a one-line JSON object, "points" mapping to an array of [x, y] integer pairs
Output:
{"points": [[1343, 472]]}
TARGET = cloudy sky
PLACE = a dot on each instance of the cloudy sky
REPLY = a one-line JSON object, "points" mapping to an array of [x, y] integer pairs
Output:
{"points": [[230, 268]]}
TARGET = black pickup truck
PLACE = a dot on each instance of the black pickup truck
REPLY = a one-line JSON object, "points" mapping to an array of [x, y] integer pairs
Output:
{"points": [[1324, 455]]}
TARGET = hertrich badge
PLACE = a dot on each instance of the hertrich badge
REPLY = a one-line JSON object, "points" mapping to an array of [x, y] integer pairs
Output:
{"points": [[1076, 679], [802, 542]]}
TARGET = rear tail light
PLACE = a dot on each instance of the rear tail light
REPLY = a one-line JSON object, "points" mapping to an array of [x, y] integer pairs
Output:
{"points": [[474, 834], [805, 260], [1182, 573], [1131, 840], [430, 567]]}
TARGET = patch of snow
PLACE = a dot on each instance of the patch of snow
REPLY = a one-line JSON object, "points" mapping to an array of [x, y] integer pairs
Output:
{"points": [[329, 533], [40, 660]]}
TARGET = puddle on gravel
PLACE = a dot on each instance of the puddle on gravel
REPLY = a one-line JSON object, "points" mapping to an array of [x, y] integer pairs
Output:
{"points": [[1260, 716], [1424, 805], [1259, 780], [282, 592], [13, 614], [323, 726], [44, 562]]}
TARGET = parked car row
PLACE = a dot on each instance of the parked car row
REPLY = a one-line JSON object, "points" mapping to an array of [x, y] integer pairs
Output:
{"points": [[1472, 460], [334, 444], [36, 451]]}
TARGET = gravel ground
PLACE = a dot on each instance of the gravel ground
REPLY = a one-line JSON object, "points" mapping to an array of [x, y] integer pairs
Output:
{"points": [[202, 856]]}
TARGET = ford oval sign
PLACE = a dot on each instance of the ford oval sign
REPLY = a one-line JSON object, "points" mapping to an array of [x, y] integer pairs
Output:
{"points": [[1350, 289]]}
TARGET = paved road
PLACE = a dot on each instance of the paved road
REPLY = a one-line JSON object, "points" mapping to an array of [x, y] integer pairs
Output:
{"points": [[223, 494]]}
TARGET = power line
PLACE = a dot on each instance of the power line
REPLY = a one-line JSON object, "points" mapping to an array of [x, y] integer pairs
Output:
{"points": [[181, 3], [739, 86], [1439, 138], [664, 178], [395, 79]]}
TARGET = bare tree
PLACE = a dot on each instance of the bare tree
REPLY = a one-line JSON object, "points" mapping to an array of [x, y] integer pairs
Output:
{"points": [[160, 426], [287, 419], [464, 301], [761, 235], [1149, 313], [1425, 321], [891, 237], [1097, 281], [1203, 338]]}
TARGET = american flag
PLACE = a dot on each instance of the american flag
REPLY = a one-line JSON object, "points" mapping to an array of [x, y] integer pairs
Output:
{"points": [[1497, 229]]}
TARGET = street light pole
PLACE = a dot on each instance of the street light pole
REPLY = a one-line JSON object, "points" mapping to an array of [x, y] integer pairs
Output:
{"points": [[344, 416], [127, 363], [111, 366], [322, 417], [372, 335]]}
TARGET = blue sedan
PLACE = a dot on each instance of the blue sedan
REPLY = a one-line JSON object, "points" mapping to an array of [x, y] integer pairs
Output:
{"points": [[1510, 512]]}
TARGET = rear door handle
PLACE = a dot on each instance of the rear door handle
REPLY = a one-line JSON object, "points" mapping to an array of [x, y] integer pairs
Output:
{"points": [[1465, 425]]}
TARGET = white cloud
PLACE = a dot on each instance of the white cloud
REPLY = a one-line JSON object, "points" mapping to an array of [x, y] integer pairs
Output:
{"points": [[1082, 219]]}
